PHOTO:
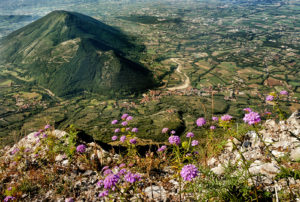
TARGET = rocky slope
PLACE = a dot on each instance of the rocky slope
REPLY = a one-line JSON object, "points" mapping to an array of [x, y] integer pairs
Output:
{"points": [[277, 146], [44, 166]]}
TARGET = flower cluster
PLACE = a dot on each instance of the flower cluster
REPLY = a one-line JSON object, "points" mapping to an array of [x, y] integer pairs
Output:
{"points": [[110, 181], [190, 134], [201, 121], [195, 143], [115, 178], [226, 117], [125, 122], [284, 92], [162, 148], [252, 118], [164, 130], [174, 139], [131, 177], [81, 148], [270, 98], [214, 118], [248, 110], [212, 127], [189, 172], [9, 198]]}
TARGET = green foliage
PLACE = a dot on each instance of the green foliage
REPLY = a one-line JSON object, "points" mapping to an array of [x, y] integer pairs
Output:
{"points": [[71, 139], [27, 186], [231, 186], [288, 172]]}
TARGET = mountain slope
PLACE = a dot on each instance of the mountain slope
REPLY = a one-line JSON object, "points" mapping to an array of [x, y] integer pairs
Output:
{"points": [[69, 52]]}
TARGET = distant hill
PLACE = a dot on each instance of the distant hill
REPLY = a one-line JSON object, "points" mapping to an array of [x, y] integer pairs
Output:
{"points": [[68, 52]]}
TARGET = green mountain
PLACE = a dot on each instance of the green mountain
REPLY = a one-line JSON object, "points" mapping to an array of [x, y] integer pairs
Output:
{"points": [[68, 52]]}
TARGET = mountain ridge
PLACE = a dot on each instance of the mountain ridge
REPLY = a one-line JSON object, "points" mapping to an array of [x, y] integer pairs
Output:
{"points": [[69, 52]]}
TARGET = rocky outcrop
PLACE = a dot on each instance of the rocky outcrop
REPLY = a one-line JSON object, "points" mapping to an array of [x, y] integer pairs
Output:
{"points": [[266, 153], [48, 160]]}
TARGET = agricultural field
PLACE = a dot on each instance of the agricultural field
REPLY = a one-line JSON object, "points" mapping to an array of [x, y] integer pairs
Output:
{"points": [[233, 52]]}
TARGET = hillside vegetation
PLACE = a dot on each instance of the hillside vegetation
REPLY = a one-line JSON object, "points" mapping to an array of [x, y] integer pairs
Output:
{"points": [[68, 53]]}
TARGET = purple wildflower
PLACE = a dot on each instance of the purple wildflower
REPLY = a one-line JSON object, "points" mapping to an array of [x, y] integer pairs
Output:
{"points": [[214, 118], [47, 126], [190, 134], [212, 127], [117, 130], [164, 130], [226, 117], [162, 148], [9, 188], [129, 118], [114, 138], [134, 130], [201, 121], [107, 172], [174, 139], [105, 168], [195, 143], [173, 132], [284, 92], [270, 98], [189, 172], [252, 118], [122, 165], [69, 199], [15, 150], [81, 148], [247, 109], [8, 198], [44, 135], [100, 183], [122, 171], [114, 122], [27, 150], [127, 129], [123, 138], [103, 194], [124, 123], [110, 181], [37, 134], [124, 116], [132, 141], [131, 178]]}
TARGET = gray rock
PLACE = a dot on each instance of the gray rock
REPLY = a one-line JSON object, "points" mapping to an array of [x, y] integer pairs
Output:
{"points": [[219, 170], [230, 146], [88, 173], [60, 157], [157, 193], [65, 163], [278, 154], [211, 161], [270, 169], [295, 154]]}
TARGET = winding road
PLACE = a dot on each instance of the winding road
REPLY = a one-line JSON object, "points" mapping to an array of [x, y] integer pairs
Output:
{"points": [[186, 82]]}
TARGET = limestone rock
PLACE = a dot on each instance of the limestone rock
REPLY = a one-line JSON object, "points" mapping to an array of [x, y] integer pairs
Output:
{"points": [[295, 154], [157, 193], [219, 170]]}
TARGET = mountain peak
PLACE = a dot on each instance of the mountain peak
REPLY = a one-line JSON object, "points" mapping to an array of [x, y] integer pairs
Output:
{"points": [[69, 52]]}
